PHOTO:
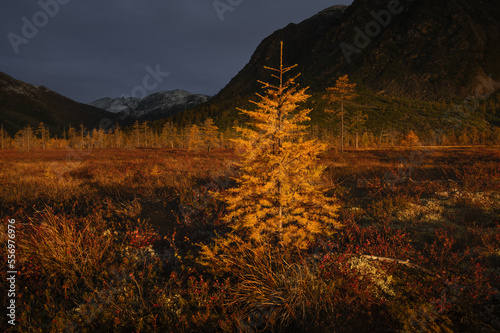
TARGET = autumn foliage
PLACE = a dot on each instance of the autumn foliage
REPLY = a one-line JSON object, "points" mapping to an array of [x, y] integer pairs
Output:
{"points": [[342, 92], [277, 235], [278, 197]]}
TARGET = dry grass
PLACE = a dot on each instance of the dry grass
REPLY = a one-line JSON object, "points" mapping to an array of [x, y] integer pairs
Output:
{"points": [[110, 242], [76, 249]]}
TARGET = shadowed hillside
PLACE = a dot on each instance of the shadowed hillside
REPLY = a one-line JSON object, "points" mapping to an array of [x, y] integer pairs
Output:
{"points": [[420, 50], [23, 104]]}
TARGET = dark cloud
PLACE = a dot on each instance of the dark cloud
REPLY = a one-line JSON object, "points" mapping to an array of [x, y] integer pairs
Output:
{"points": [[92, 49]]}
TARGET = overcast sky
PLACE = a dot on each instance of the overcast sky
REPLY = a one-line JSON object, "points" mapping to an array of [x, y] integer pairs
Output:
{"points": [[88, 49]]}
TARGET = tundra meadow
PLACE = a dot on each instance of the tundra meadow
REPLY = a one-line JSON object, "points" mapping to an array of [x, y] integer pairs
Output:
{"points": [[133, 236], [265, 227]]}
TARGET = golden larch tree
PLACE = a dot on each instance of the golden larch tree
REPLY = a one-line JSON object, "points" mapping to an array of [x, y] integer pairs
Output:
{"points": [[410, 139], [117, 136], [193, 137], [137, 134], [169, 135], [357, 124], [342, 92], [210, 134], [3, 138], [278, 198], [44, 135]]}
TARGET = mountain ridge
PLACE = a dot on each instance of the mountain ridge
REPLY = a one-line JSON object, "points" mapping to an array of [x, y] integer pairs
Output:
{"points": [[155, 106], [23, 104], [428, 51], [417, 53]]}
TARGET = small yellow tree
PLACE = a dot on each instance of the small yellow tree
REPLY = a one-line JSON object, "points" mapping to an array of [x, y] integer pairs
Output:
{"points": [[210, 133], [357, 124], [342, 92], [278, 198], [193, 137], [3, 138], [410, 139], [137, 134], [43, 131], [168, 135]]}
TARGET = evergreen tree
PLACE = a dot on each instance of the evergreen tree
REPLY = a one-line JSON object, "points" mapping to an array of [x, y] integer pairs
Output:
{"points": [[18, 140], [463, 139], [25, 138], [168, 135], [72, 137], [342, 92], [358, 124], [474, 135], [367, 139], [83, 130], [210, 134], [452, 138], [410, 139], [193, 137], [227, 136], [137, 134], [146, 134], [118, 136], [495, 136], [28, 138], [44, 135], [278, 199], [98, 138], [3, 138]]}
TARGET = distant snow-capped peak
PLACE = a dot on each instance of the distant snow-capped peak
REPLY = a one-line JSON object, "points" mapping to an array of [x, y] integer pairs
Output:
{"points": [[154, 106], [116, 105]]}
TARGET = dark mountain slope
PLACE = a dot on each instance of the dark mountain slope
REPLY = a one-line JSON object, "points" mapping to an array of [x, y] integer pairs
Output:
{"points": [[22, 104], [429, 50]]}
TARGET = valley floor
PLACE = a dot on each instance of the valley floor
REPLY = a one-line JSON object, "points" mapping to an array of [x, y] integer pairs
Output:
{"points": [[108, 240]]}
